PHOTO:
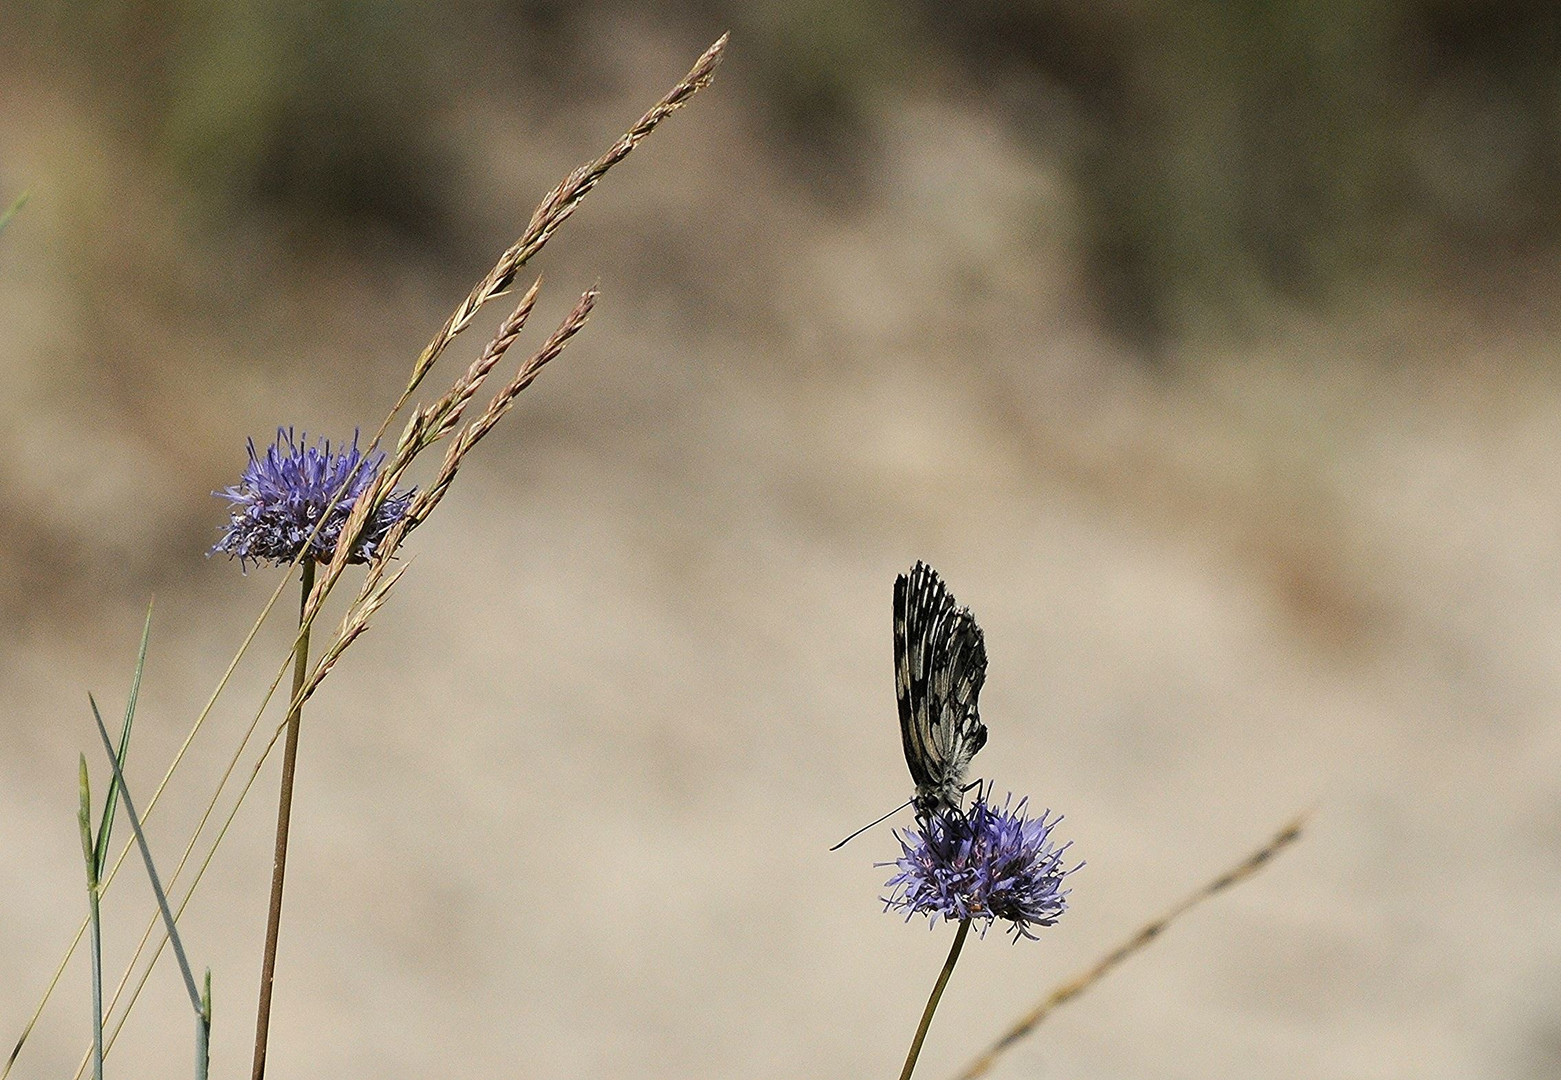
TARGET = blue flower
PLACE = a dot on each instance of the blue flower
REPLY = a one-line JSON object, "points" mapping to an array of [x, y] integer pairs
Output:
{"points": [[983, 864], [280, 499]]}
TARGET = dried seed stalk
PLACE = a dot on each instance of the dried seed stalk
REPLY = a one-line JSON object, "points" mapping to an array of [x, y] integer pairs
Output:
{"points": [[556, 208]]}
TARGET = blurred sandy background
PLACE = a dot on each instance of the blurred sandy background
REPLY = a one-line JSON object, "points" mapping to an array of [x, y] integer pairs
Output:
{"points": [[1208, 352]]}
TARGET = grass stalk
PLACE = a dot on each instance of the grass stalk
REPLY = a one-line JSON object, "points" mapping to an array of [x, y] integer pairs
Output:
{"points": [[89, 855], [203, 1032], [1145, 934]]}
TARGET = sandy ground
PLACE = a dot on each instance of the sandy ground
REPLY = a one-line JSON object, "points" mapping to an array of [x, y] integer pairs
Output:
{"points": [[564, 811]]}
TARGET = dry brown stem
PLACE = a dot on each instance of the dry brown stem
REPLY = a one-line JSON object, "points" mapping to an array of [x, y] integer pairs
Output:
{"points": [[1147, 933], [427, 499], [427, 426], [376, 587]]}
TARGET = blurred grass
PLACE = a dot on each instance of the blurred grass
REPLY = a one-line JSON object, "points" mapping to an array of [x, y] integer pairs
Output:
{"points": [[1234, 154], [1227, 156], [320, 110], [10, 211]]}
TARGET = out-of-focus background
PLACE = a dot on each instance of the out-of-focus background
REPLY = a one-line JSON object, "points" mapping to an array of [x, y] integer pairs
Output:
{"points": [[1209, 351]]}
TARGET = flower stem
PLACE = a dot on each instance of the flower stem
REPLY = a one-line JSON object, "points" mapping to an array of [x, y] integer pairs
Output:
{"points": [[932, 1002], [284, 812]]}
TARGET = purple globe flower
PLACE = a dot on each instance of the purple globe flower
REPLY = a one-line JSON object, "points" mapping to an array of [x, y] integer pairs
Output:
{"points": [[983, 864], [282, 496]]}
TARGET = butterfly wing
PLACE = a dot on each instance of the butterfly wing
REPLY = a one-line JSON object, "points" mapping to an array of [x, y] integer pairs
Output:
{"points": [[939, 666]]}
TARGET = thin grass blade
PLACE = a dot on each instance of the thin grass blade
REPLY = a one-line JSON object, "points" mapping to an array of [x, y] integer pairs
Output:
{"points": [[106, 823], [10, 211], [84, 820], [151, 867]]}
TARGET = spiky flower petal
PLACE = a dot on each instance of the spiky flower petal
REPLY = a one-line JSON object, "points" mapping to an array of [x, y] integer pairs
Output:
{"points": [[984, 863], [284, 493]]}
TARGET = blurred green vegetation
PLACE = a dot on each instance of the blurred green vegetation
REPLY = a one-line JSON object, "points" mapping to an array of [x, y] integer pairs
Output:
{"points": [[1232, 154], [319, 108], [10, 211], [1227, 155]]}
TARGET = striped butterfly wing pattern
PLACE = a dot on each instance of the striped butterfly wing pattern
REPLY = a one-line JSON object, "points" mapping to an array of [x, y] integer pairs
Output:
{"points": [[939, 666]]}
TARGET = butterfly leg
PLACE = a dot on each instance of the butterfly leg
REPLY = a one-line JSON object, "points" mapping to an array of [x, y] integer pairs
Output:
{"points": [[974, 785]]}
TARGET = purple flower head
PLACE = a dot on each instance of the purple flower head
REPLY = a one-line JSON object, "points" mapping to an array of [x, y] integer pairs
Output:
{"points": [[282, 496], [983, 864]]}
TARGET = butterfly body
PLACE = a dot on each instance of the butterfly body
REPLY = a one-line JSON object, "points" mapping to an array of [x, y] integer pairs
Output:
{"points": [[939, 667]]}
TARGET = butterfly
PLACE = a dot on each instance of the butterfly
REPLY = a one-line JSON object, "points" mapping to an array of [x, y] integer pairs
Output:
{"points": [[939, 666]]}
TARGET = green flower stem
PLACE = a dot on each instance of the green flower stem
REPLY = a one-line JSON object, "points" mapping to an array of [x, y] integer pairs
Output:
{"points": [[284, 812], [932, 1002]]}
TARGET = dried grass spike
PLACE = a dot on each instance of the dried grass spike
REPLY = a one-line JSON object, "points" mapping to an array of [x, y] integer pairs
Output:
{"points": [[1144, 936], [429, 497], [448, 409], [556, 208]]}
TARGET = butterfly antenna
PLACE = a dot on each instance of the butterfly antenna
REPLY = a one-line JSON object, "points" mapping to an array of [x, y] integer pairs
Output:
{"points": [[870, 824]]}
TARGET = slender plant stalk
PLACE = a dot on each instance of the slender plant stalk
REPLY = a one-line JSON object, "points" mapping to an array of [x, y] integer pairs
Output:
{"points": [[95, 849], [89, 852], [932, 1002], [97, 984], [1145, 934], [203, 1033], [284, 814]]}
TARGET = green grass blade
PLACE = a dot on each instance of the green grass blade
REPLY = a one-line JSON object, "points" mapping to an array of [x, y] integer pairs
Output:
{"points": [[84, 819], [151, 867], [10, 211], [106, 823]]}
